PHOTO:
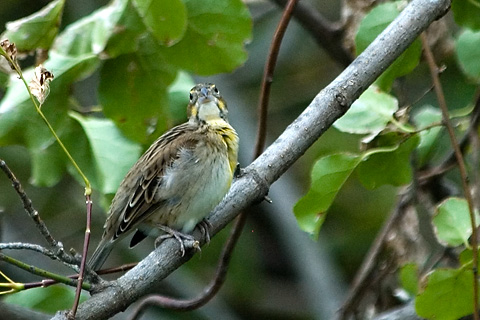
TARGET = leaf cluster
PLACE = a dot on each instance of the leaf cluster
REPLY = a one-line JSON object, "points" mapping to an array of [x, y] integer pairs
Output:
{"points": [[142, 51], [398, 142]]}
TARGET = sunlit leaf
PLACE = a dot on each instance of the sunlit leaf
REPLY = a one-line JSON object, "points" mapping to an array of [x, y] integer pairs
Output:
{"points": [[452, 222], [17, 110], [428, 138], [113, 154], [368, 114], [467, 46], [37, 30], [90, 34]]}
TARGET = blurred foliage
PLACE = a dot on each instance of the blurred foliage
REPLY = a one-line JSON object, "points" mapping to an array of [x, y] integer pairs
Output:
{"points": [[122, 77], [50, 299], [389, 129]]}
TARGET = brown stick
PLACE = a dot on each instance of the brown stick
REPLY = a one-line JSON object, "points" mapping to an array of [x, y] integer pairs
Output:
{"points": [[461, 165]]}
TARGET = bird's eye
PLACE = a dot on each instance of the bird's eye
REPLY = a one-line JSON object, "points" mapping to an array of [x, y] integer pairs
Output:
{"points": [[215, 90], [191, 97]]}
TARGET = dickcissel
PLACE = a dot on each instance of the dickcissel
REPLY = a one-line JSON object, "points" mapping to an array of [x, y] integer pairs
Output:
{"points": [[178, 181]]}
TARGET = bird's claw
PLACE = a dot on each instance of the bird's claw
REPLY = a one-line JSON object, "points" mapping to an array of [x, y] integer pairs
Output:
{"points": [[179, 236]]}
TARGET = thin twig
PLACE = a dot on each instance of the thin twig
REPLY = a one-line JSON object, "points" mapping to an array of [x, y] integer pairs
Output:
{"points": [[32, 213], [121, 268], [461, 165], [27, 204], [42, 272], [46, 282], [475, 145], [450, 160], [268, 76], [86, 241], [29, 246], [361, 281]]}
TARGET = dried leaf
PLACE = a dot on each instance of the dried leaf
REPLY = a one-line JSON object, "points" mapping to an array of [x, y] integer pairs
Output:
{"points": [[11, 52], [40, 84]]}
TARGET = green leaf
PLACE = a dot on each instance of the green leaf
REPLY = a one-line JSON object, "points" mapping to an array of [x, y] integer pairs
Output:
{"points": [[447, 295], [214, 41], [166, 19], [16, 108], [388, 165], [20, 123], [133, 92], [371, 26], [178, 96], [409, 278], [50, 299], [37, 30], [113, 154], [466, 257], [91, 34], [128, 29], [48, 165], [452, 222], [467, 46], [428, 138], [368, 114], [328, 176], [466, 13]]}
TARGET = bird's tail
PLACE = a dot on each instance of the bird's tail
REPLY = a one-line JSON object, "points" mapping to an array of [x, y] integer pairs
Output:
{"points": [[100, 255]]}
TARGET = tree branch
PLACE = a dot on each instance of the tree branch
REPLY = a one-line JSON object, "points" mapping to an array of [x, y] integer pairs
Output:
{"points": [[330, 104]]}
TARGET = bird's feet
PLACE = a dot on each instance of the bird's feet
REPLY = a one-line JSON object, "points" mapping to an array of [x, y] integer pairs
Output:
{"points": [[182, 238], [205, 227]]}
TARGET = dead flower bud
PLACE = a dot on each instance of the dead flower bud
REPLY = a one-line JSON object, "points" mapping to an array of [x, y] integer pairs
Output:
{"points": [[40, 84], [11, 52]]}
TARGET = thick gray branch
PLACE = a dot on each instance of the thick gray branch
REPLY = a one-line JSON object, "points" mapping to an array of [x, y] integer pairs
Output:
{"points": [[330, 104]]}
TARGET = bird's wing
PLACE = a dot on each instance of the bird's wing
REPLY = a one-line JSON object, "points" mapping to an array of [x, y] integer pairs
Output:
{"points": [[141, 183]]}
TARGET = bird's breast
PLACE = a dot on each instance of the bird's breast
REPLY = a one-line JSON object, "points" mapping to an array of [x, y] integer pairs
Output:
{"points": [[195, 183]]}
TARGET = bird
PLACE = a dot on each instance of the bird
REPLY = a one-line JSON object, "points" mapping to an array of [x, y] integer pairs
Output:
{"points": [[178, 181]]}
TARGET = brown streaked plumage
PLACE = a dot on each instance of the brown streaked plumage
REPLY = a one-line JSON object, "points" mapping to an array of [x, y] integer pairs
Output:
{"points": [[177, 182]]}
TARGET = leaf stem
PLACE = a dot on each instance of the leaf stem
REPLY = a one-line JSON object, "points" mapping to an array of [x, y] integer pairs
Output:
{"points": [[84, 257], [402, 126], [42, 272]]}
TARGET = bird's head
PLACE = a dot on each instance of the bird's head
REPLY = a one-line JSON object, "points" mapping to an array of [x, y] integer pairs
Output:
{"points": [[206, 104]]}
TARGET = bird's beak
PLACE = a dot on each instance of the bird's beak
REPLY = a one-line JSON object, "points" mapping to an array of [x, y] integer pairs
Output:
{"points": [[205, 96]]}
